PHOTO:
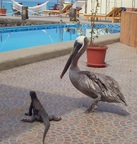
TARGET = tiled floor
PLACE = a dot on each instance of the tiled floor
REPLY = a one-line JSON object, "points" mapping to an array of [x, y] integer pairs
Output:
{"points": [[109, 124]]}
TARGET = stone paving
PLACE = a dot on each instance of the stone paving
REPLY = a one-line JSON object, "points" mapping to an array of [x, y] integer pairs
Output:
{"points": [[109, 124]]}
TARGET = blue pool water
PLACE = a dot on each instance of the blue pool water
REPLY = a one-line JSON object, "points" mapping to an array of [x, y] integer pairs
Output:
{"points": [[13, 38]]}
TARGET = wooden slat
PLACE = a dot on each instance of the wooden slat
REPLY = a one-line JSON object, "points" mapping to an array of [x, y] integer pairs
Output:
{"points": [[128, 34]]}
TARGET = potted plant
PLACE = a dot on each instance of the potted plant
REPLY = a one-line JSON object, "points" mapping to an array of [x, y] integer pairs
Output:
{"points": [[2, 9], [95, 53]]}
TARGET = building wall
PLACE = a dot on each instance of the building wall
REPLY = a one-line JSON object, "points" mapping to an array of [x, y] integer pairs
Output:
{"points": [[107, 5]]}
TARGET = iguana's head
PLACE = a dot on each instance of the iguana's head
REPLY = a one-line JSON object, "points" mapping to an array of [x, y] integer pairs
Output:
{"points": [[33, 95]]}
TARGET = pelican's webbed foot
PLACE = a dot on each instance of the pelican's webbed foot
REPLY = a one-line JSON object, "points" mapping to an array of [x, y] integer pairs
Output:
{"points": [[93, 105]]}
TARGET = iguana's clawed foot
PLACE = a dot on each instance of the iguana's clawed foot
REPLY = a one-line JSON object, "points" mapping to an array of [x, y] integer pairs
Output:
{"points": [[27, 120], [24, 120], [27, 114]]}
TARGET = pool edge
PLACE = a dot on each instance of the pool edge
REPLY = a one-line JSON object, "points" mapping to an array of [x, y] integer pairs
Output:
{"points": [[25, 56]]}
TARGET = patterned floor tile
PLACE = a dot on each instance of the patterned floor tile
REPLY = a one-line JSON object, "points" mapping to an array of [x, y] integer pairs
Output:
{"points": [[109, 124]]}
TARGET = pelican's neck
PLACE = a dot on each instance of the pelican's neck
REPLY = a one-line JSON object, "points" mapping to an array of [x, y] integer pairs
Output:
{"points": [[80, 53]]}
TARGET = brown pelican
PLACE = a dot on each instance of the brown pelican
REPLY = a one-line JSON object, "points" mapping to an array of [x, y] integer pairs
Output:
{"points": [[97, 86]]}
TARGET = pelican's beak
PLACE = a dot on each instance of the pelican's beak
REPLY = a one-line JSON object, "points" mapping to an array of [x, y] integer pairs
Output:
{"points": [[74, 52]]}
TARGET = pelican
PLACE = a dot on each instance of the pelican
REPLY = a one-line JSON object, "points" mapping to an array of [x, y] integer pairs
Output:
{"points": [[97, 86]]}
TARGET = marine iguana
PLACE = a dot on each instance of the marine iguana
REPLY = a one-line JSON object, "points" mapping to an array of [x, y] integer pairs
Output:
{"points": [[38, 113]]}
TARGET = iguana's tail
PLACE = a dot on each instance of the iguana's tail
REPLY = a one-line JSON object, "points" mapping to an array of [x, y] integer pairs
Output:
{"points": [[47, 125]]}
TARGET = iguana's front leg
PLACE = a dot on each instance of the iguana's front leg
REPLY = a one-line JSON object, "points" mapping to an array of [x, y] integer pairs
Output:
{"points": [[30, 110]]}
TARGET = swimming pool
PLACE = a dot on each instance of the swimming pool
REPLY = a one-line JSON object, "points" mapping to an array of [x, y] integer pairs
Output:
{"points": [[13, 38]]}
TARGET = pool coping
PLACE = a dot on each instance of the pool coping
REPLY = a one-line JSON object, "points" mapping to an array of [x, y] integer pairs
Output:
{"points": [[25, 56]]}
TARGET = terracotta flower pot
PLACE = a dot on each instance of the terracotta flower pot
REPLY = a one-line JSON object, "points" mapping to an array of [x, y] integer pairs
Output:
{"points": [[3, 11], [96, 55]]}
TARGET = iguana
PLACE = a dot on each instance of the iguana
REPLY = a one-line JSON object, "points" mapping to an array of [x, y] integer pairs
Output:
{"points": [[38, 113]]}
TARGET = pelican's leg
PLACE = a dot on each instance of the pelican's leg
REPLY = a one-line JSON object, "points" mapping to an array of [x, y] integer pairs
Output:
{"points": [[93, 105]]}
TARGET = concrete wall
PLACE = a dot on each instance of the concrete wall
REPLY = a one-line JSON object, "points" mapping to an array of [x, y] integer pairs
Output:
{"points": [[6, 22]]}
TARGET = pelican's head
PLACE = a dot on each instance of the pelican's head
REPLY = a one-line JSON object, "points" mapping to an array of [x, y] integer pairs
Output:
{"points": [[80, 43]]}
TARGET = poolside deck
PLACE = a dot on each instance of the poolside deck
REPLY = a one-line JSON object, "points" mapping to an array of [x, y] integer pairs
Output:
{"points": [[109, 124], [53, 18]]}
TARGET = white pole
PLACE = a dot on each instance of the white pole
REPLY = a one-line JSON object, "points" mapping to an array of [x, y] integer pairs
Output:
{"points": [[61, 6], [85, 6], [133, 3], [115, 3], [106, 6]]}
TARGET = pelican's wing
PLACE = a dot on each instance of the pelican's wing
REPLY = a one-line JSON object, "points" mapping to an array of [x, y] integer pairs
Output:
{"points": [[114, 88], [105, 85], [99, 83]]}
